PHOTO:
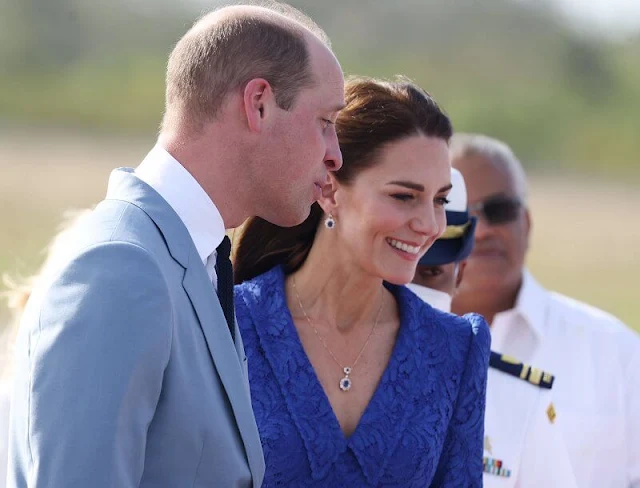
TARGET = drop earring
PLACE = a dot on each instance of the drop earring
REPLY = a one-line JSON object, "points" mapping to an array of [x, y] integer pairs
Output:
{"points": [[330, 222]]}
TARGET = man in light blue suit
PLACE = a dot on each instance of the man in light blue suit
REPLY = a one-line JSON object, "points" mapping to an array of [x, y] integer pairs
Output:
{"points": [[130, 369]]}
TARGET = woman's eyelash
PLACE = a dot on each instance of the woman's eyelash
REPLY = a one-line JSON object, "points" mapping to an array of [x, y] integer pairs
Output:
{"points": [[403, 197]]}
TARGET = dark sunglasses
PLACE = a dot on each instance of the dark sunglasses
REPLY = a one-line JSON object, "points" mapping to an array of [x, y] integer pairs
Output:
{"points": [[498, 209]]}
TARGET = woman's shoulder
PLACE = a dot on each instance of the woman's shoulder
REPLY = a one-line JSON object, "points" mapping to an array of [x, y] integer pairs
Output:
{"points": [[268, 282], [469, 328], [261, 299]]}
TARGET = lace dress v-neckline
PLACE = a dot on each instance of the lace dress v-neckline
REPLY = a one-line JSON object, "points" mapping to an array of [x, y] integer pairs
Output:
{"points": [[387, 412], [422, 426]]}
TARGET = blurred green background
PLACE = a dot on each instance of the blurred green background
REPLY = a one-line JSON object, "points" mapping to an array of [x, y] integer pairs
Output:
{"points": [[81, 92]]}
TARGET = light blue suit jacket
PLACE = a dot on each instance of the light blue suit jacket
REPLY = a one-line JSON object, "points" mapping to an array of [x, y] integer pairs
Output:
{"points": [[126, 373]]}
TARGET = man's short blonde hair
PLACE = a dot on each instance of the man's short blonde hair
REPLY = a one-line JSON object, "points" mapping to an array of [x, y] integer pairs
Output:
{"points": [[232, 45]]}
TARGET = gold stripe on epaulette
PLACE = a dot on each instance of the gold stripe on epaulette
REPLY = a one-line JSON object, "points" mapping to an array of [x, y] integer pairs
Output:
{"points": [[535, 376], [525, 371], [509, 359]]}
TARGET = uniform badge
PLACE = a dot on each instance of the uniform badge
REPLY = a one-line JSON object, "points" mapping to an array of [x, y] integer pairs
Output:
{"points": [[491, 465], [495, 466], [551, 413]]}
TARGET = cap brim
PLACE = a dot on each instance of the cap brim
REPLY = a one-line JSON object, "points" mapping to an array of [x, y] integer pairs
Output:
{"points": [[446, 251]]}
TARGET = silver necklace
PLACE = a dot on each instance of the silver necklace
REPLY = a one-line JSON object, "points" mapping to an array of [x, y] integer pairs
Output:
{"points": [[345, 382]]}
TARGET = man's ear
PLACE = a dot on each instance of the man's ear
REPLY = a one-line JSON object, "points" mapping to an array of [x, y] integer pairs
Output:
{"points": [[527, 223], [259, 103], [461, 266], [328, 201]]}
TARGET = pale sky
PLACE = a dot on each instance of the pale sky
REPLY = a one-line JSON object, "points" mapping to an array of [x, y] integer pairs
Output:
{"points": [[613, 17]]}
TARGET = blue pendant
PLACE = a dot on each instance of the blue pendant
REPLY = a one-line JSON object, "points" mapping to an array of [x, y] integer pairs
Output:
{"points": [[345, 383]]}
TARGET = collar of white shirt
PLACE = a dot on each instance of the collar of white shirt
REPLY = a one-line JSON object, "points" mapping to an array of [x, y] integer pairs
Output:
{"points": [[184, 194], [436, 298], [530, 310]]}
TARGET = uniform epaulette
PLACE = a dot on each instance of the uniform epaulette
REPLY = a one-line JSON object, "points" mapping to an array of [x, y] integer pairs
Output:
{"points": [[512, 366]]}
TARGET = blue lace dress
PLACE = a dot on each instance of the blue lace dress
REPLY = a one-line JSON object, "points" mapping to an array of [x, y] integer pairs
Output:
{"points": [[423, 426]]}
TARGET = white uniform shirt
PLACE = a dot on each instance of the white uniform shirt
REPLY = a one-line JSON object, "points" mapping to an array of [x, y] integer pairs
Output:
{"points": [[183, 193], [596, 361], [522, 437], [436, 298], [519, 436]]}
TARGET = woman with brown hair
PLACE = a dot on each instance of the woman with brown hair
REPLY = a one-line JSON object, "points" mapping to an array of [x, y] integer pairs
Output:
{"points": [[354, 380]]}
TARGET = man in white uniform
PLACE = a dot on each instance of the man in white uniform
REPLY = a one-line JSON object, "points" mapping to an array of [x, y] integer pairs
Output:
{"points": [[596, 396], [523, 446]]}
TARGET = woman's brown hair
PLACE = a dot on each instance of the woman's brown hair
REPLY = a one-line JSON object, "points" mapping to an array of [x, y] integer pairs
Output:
{"points": [[376, 113]]}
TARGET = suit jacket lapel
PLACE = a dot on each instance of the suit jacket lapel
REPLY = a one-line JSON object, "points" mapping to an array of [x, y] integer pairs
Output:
{"points": [[123, 185], [224, 354]]}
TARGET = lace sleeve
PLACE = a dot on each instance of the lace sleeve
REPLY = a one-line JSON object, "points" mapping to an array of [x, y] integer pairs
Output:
{"points": [[460, 465]]}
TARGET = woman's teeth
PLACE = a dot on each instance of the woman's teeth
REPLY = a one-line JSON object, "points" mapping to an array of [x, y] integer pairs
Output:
{"points": [[404, 247]]}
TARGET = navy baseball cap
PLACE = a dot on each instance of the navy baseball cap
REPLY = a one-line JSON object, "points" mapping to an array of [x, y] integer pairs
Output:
{"points": [[456, 243]]}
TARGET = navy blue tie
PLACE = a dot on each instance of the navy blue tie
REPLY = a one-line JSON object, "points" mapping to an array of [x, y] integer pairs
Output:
{"points": [[224, 270]]}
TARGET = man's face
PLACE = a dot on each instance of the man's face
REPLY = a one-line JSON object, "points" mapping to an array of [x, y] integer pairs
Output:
{"points": [[303, 145], [502, 232], [442, 278]]}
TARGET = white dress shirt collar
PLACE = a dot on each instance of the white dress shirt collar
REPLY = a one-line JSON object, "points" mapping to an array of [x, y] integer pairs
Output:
{"points": [[532, 304], [436, 298], [184, 194], [530, 308]]}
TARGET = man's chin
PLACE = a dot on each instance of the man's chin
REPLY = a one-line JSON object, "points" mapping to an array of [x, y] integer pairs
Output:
{"points": [[290, 219]]}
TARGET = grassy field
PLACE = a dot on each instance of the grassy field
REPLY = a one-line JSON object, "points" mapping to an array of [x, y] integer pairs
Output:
{"points": [[585, 232]]}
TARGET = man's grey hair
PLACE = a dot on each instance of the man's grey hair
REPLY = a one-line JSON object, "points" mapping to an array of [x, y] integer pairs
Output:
{"points": [[289, 12], [469, 145]]}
